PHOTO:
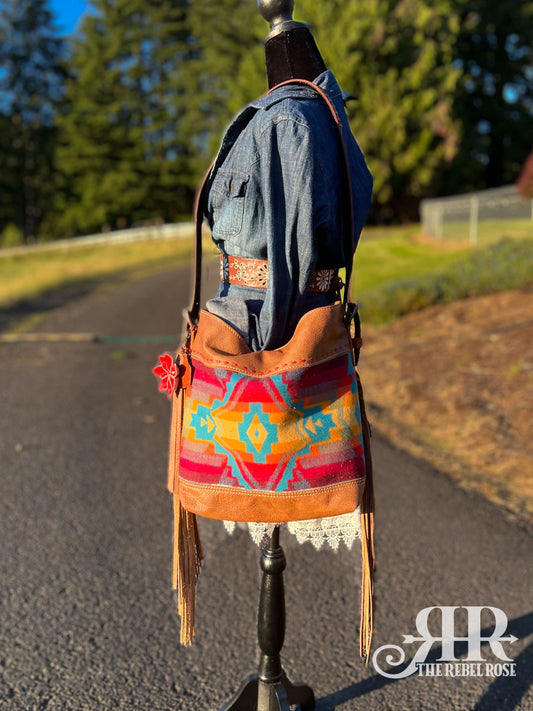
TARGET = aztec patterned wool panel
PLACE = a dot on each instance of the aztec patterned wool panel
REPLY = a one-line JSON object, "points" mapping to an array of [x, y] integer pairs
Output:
{"points": [[286, 432]]}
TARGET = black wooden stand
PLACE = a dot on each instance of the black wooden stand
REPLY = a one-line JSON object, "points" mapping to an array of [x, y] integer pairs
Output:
{"points": [[269, 689]]}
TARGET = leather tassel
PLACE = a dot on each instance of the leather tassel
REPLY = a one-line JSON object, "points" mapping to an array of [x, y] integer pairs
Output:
{"points": [[367, 541], [176, 426], [188, 556], [188, 552]]}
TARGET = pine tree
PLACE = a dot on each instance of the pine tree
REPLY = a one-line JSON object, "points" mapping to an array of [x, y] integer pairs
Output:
{"points": [[494, 101], [122, 155], [225, 72], [396, 59], [32, 73], [443, 97], [10, 208]]}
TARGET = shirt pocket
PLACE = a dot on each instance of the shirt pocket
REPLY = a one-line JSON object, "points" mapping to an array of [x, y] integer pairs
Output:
{"points": [[226, 202]]}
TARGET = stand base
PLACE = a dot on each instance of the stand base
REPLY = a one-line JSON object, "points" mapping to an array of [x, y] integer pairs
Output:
{"points": [[258, 695]]}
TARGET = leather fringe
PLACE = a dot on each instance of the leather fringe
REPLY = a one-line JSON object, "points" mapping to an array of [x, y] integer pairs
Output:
{"points": [[188, 556], [367, 541], [176, 426]]}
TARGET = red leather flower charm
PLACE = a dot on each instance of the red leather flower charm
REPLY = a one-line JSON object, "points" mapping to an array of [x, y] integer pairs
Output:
{"points": [[167, 370]]}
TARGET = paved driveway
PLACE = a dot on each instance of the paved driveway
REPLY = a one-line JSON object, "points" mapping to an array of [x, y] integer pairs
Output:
{"points": [[87, 617]]}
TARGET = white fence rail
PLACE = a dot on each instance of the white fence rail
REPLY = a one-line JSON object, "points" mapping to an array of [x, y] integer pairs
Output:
{"points": [[462, 217], [135, 234]]}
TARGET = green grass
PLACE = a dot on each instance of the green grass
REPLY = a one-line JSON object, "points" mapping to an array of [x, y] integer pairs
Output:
{"points": [[489, 231], [387, 254], [394, 270], [508, 264], [29, 275]]}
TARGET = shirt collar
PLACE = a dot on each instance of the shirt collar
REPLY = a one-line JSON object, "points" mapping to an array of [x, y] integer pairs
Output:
{"points": [[326, 81]]}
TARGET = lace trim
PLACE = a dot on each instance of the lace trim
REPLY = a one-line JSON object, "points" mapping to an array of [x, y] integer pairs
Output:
{"points": [[331, 531]]}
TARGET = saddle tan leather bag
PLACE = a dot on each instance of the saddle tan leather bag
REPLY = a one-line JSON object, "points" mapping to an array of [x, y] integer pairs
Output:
{"points": [[269, 436]]}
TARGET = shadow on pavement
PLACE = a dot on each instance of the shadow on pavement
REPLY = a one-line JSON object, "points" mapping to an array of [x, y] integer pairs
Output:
{"points": [[505, 693], [49, 301]]}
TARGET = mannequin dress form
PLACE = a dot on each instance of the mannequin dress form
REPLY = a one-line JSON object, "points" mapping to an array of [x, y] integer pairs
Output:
{"points": [[291, 53]]}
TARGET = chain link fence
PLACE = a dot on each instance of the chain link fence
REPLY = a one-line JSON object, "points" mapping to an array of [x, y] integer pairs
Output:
{"points": [[479, 216]]}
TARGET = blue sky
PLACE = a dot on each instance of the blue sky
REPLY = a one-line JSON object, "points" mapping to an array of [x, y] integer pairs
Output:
{"points": [[67, 13]]}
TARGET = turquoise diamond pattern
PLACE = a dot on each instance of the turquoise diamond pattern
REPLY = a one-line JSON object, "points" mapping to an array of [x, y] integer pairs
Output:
{"points": [[257, 431]]}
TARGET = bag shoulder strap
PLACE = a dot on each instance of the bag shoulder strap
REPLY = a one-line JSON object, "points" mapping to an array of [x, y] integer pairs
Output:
{"points": [[346, 199]]}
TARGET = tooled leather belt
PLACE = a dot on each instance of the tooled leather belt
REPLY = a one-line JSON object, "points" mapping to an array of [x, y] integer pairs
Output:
{"points": [[254, 273]]}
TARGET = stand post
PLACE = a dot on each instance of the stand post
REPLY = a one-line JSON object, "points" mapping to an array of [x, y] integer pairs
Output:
{"points": [[271, 614], [269, 689]]}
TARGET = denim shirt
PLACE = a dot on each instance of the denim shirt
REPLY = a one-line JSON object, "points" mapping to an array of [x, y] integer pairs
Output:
{"points": [[274, 193]]}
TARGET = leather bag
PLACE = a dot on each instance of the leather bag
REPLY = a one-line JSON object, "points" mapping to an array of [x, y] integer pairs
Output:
{"points": [[269, 436]]}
